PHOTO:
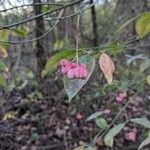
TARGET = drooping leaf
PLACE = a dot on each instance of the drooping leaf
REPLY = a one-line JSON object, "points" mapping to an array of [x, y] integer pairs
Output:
{"points": [[142, 25], [94, 116], [109, 137], [144, 143], [3, 52], [126, 24], [141, 121], [19, 32], [53, 62], [107, 66], [148, 79], [101, 123], [72, 87]]}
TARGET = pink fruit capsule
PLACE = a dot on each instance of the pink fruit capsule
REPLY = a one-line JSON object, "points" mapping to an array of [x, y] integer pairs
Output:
{"points": [[84, 73], [71, 74], [119, 99], [123, 94], [131, 136]]}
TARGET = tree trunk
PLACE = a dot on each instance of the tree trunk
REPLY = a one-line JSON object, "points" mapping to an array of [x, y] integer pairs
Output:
{"points": [[95, 34], [39, 30]]}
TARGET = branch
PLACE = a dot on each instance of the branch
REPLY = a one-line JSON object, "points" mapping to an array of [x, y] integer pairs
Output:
{"points": [[49, 19], [42, 14], [32, 4], [94, 22]]}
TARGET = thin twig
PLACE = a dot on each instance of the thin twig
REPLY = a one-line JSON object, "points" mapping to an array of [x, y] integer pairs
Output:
{"points": [[42, 14], [32, 4]]}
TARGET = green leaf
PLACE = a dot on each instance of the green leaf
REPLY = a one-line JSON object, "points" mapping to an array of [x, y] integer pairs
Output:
{"points": [[145, 65], [3, 67], [101, 123], [142, 25], [35, 136], [126, 24], [53, 62], [148, 79], [141, 121], [90, 148], [115, 48], [19, 32], [72, 87], [4, 36], [109, 137], [58, 44], [80, 148], [94, 115], [3, 52], [3, 81], [144, 143]]}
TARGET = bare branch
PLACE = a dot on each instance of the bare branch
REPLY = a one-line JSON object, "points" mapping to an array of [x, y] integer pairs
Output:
{"points": [[42, 14], [32, 4]]}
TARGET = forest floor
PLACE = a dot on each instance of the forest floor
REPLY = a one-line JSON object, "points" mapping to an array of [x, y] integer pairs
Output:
{"points": [[47, 124]]}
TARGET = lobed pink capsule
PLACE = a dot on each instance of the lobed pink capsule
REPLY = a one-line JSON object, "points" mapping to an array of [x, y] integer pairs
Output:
{"points": [[73, 70]]}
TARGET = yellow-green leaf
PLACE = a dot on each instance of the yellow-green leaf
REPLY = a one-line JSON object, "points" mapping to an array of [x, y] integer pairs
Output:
{"points": [[80, 148], [3, 52], [4, 34], [142, 25], [58, 44], [53, 62], [19, 32], [3, 67], [101, 123], [10, 115], [109, 137], [148, 79], [3, 81]]}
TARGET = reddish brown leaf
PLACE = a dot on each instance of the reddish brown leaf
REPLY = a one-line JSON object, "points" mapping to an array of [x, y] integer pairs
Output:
{"points": [[107, 66]]}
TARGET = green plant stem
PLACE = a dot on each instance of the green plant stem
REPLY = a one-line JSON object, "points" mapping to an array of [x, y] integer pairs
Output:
{"points": [[77, 39]]}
